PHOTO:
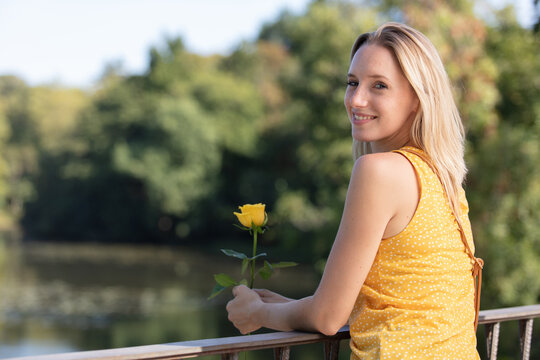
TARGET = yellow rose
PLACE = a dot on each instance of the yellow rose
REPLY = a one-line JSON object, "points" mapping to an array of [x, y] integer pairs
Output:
{"points": [[251, 215]]}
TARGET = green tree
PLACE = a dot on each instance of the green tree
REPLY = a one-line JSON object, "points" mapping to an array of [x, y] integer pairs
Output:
{"points": [[54, 111], [505, 176], [35, 122], [6, 221], [150, 156], [306, 143], [149, 151], [19, 137]]}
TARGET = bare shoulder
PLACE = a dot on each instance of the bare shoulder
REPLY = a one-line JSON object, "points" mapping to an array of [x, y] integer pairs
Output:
{"points": [[388, 179], [387, 167]]}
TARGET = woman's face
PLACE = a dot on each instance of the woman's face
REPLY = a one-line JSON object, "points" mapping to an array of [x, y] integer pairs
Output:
{"points": [[380, 102]]}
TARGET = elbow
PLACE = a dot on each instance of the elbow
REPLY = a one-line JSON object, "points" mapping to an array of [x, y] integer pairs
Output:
{"points": [[329, 326], [327, 320], [329, 329]]}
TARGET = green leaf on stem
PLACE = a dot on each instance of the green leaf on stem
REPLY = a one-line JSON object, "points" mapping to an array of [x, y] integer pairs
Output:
{"points": [[284, 264], [257, 256], [245, 263], [266, 271], [233, 253], [243, 282], [225, 280], [216, 291]]}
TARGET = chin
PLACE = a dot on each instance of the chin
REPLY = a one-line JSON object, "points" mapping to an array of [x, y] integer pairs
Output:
{"points": [[362, 137]]}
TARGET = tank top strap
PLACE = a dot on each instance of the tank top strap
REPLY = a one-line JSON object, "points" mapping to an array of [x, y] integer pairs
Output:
{"points": [[423, 170]]}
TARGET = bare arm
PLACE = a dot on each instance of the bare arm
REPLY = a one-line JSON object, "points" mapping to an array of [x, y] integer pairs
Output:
{"points": [[370, 205]]}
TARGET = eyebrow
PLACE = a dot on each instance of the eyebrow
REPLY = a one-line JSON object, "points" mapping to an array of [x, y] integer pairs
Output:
{"points": [[371, 76]]}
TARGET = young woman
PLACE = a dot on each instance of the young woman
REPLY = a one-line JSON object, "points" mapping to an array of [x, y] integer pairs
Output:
{"points": [[400, 267]]}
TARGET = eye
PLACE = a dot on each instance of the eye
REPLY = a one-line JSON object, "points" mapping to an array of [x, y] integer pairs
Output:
{"points": [[352, 83], [380, 86]]}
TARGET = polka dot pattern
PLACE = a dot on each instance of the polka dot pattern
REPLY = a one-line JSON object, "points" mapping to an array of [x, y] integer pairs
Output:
{"points": [[418, 299]]}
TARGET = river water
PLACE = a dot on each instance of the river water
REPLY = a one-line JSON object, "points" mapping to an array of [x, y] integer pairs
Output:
{"points": [[58, 297]]}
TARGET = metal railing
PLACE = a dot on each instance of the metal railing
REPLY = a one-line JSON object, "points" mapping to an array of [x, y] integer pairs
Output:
{"points": [[281, 342], [492, 320]]}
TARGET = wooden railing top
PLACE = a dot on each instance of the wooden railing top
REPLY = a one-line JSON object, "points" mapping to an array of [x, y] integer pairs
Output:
{"points": [[198, 347], [252, 342]]}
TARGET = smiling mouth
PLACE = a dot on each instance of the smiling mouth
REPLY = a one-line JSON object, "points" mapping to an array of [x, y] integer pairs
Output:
{"points": [[364, 117]]}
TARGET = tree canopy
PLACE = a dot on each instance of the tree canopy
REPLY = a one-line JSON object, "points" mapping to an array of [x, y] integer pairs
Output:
{"points": [[168, 154]]}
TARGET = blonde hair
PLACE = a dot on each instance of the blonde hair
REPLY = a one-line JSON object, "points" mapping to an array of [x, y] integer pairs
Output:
{"points": [[437, 128]]}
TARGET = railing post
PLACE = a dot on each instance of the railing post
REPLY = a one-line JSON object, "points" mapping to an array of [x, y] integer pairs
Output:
{"points": [[229, 356], [331, 349], [492, 340], [525, 337], [282, 353]]}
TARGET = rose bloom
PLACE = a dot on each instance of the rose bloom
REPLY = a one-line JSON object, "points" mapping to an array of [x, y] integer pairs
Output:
{"points": [[251, 215]]}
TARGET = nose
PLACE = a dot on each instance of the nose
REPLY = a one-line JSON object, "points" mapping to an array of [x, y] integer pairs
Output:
{"points": [[358, 97]]}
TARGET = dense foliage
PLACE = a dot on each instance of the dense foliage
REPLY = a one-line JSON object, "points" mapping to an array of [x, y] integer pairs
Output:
{"points": [[165, 156]]}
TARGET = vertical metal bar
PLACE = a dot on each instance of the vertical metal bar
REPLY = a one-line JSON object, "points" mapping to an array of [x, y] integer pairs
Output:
{"points": [[282, 353], [229, 356], [525, 337], [492, 340], [331, 350]]}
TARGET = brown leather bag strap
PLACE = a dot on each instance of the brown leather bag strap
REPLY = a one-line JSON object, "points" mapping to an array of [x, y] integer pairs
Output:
{"points": [[478, 264]]}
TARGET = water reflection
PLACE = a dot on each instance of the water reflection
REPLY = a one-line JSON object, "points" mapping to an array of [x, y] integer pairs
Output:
{"points": [[65, 297]]}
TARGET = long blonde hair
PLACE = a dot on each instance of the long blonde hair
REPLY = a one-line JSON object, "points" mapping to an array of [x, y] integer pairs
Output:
{"points": [[437, 128]]}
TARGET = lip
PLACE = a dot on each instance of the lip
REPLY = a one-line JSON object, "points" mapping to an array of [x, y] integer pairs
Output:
{"points": [[361, 118]]}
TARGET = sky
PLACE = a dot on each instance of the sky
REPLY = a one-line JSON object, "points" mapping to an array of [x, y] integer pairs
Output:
{"points": [[69, 42]]}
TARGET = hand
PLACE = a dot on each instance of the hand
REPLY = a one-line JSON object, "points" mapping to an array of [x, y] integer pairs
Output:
{"points": [[243, 309], [268, 296]]}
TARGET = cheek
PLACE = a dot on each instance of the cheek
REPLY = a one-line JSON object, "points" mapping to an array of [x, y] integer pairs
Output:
{"points": [[410, 102], [406, 106], [346, 99]]}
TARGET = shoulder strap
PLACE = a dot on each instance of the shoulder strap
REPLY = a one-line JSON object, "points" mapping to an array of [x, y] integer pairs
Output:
{"points": [[478, 263]]}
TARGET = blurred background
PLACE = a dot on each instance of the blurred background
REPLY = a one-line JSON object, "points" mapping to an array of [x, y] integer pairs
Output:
{"points": [[130, 131]]}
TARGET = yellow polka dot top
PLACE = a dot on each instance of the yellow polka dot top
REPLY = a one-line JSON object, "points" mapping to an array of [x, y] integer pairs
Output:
{"points": [[417, 301]]}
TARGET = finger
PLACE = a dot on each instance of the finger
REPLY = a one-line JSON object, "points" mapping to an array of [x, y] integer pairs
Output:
{"points": [[242, 327], [264, 293], [246, 329], [238, 289]]}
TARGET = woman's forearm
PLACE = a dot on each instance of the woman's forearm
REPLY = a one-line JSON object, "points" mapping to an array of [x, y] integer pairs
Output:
{"points": [[292, 315], [303, 314]]}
